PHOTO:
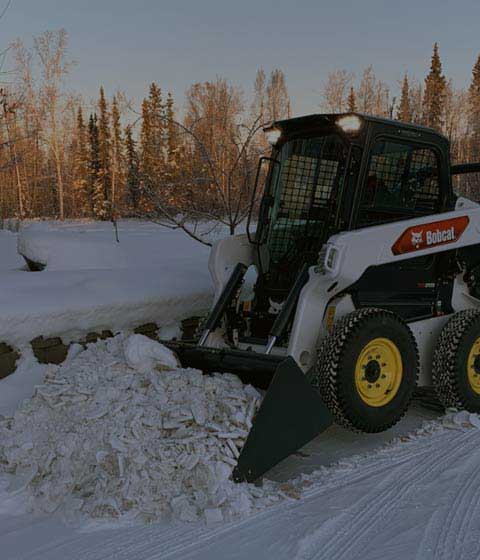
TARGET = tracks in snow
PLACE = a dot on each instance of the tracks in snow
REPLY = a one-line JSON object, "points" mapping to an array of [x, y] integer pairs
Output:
{"points": [[419, 498], [349, 535]]}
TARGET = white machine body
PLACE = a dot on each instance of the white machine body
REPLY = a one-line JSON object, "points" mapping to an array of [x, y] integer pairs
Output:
{"points": [[344, 259]]}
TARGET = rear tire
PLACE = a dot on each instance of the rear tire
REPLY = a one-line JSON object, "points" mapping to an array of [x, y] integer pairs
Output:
{"points": [[456, 362], [367, 370]]}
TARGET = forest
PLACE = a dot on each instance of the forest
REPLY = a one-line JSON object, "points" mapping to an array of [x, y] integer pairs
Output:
{"points": [[181, 161]]}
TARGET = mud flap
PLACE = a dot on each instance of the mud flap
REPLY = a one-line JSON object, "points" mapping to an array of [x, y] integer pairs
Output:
{"points": [[291, 414]]}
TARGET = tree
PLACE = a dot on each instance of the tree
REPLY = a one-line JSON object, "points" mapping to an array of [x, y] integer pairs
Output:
{"points": [[214, 183], [104, 177], [82, 194], [277, 98], [373, 96], [404, 109], [118, 160], [434, 95], [474, 111], [259, 95], [133, 172], [152, 144], [336, 91], [9, 115], [271, 100], [51, 48], [96, 199], [351, 101]]}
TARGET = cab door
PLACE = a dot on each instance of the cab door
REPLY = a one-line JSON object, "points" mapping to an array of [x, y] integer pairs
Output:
{"points": [[402, 181]]}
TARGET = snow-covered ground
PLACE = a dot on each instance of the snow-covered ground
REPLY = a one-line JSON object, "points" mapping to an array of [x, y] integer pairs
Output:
{"points": [[410, 492], [93, 283]]}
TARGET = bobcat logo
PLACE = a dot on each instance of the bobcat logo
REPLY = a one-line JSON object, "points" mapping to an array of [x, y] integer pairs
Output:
{"points": [[417, 238], [275, 307]]}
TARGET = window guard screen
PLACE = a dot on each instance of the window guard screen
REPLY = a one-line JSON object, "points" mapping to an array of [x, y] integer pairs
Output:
{"points": [[310, 169]]}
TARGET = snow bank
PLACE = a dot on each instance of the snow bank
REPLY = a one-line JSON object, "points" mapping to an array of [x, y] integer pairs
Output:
{"points": [[92, 283], [100, 439], [71, 251], [83, 245]]}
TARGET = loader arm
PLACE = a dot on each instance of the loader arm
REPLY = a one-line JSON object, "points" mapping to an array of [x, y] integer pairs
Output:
{"points": [[225, 255]]}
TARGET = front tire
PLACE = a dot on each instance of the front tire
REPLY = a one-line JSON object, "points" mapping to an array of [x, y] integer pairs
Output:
{"points": [[456, 362], [367, 370]]}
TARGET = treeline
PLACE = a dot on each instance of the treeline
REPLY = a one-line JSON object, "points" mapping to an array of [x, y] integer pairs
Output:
{"points": [[64, 157], [435, 102]]}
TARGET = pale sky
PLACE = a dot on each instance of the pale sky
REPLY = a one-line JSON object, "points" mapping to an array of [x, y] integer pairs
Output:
{"points": [[127, 44]]}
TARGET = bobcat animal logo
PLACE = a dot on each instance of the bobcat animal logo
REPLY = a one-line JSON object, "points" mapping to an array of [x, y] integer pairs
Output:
{"points": [[417, 238]]}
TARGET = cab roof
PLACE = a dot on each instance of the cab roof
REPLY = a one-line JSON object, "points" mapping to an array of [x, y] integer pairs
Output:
{"points": [[308, 122]]}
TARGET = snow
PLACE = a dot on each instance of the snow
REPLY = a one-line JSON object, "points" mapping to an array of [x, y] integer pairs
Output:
{"points": [[9, 257], [410, 492], [108, 436], [416, 497], [93, 283], [144, 354], [15, 388]]}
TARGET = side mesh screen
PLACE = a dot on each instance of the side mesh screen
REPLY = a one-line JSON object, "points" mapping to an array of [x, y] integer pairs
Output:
{"points": [[310, 171]]}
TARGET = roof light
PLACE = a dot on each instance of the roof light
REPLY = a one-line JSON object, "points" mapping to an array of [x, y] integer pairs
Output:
{"points": [[350, 123], [273, 135]]}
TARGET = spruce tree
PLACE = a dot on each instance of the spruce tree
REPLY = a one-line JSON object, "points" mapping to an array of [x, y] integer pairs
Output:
{"points": [[82, 196], [147, 158], [118, 160], [96, 197], [103, 185], [404, 109], [351, 101], [171, 137], [152, 147], [158, 134], [434, 97], [132, 187]]}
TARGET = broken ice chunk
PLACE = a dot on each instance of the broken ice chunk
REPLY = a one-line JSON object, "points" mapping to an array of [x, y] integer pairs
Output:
{"points": [[144, 354]]}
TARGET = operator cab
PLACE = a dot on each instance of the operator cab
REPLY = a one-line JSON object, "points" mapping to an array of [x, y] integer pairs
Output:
{"points": [[332, 173]]}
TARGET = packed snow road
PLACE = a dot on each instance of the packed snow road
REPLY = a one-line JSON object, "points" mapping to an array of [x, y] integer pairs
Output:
{"points": [[415, 498]]}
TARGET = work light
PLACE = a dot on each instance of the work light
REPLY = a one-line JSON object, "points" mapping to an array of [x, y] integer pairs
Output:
{"points": [[350, 123], [273, 135]]}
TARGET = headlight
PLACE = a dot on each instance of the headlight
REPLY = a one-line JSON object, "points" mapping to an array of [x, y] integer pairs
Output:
{"points": [[332, 258], [350, 123], [273, 135]]}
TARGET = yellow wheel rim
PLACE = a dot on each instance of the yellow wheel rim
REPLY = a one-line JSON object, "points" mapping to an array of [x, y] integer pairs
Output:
{"points": [[379, 371], [473, 366]]}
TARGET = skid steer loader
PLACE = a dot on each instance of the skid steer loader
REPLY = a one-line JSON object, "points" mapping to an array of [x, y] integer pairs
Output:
{"points": [[367, 270]]}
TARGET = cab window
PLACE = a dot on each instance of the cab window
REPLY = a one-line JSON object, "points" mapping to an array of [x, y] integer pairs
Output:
{"points": [[402, 182]]}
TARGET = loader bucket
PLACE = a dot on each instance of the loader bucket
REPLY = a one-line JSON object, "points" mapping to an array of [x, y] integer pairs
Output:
{"points": [[290, 415]]}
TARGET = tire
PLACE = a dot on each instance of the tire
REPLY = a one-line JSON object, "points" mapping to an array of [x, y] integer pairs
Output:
{"points": [[367, 370], [456, 362]]}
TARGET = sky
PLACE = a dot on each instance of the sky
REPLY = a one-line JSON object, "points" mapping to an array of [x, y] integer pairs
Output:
{"points": [[128, 44]]}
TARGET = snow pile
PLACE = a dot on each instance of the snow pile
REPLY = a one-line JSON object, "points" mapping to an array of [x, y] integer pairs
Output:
{"points": [[101, 439]]}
